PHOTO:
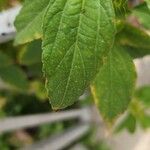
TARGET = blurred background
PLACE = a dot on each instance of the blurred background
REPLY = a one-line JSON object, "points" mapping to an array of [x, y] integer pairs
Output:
{"points": [[26, 118]]}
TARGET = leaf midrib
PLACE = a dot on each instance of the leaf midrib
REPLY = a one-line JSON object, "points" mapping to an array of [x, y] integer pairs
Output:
{"points": [[67, 84]]}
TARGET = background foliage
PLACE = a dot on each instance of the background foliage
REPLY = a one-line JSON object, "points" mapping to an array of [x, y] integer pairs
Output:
{"points": [[22, 82]]}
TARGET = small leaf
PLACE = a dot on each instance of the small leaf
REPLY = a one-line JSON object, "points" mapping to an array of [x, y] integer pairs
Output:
{"points": [[31, 54], [114, 84], [15, 77], [143, 14], [128, 123], [77, 34], [143, 94], [144, 121], [140, 110], [136, 52], [148, 3], [29, 21], [134, 37]]}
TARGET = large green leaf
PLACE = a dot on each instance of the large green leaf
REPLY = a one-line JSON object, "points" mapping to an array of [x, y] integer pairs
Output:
{"points": [[77, 33], [114, 84], [29, 21]]}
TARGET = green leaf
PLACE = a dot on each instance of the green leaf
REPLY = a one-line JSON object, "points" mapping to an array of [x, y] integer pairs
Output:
{"points": [[134, 37], [148, 3], [4, 60], [143, 94], [140, 111], [77, 34], [114, 84], [128, 123], [143, 14], [35, 70], [135, 41], [136, 52], [145, 121], [38, 88], [15, 77], [31, 54], [29, 21]]}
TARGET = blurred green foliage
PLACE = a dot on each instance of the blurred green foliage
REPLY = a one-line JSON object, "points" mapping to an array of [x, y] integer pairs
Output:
{"points": [[138, 112], [92, 143], [22, 85]]}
